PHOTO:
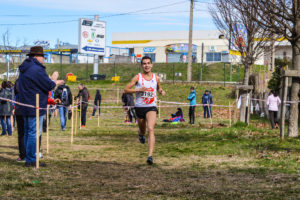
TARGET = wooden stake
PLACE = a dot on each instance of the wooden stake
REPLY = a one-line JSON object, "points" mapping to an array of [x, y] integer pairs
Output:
{"points": [[47, 128], [210, 115], [72, 124], [37, 131], [118, 93], [80, 112], [159, 108], [76, 118], [249, 108], [98, 114], [235, 106], [229, 109], [283, 106]]}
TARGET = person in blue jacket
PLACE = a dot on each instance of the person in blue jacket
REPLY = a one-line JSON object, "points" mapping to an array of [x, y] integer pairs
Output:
{"points": [[192, 99], [207, 101], [34, 80]]}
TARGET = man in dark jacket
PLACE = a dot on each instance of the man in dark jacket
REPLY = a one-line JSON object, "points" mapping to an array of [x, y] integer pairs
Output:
{"points": [[34, 80], [83, 95], [207, 101], [63, 93]]}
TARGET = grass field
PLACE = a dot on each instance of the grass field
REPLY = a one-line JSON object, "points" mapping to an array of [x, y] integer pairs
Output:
{"points": [[191, 161]]}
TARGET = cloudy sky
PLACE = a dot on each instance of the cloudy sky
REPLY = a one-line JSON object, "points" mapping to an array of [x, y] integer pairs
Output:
{"points": [[30, 20]]}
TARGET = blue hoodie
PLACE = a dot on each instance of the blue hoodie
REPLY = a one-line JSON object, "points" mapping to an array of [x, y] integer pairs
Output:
{"points": [[192, 98], [33, 79], [207, 99]]}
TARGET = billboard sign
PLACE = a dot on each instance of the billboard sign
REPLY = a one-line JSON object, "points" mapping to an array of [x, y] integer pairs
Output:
{"points": [[92, 36], [149, 49], [239, 37], [44, 43]]}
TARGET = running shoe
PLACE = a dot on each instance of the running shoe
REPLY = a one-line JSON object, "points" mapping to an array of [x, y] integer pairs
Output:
{"points": [[142, 139], [150, 160], [20, 160]]}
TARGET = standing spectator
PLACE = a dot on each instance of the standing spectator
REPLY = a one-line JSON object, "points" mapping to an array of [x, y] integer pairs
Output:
{"points": [[207, 101], [63, 93], [129, 104], [6, 108], [20, 125], [273, 103], [97, 102], [84, 94], [34, 80], [192, 99]]}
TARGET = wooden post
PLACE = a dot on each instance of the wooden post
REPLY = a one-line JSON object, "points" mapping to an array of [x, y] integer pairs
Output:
{"points": [[98, 113], [235, 107], [118, 94], [159, 108], [37, 160], [80, 112], [229, 109], [72, 124], [76, 118], [47, 128], [249, 108], [210, 114], [283, 107]]}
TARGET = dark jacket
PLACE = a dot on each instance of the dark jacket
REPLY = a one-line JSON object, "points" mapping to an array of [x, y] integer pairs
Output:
{"points": [[97, 100], [5, 106], [58, 94], [128, 99], [84, 93], [17, 98], [207, 99], [33, 80]]}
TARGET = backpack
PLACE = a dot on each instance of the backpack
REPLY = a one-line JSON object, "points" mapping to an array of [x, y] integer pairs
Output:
{"points": [[64, 95]]}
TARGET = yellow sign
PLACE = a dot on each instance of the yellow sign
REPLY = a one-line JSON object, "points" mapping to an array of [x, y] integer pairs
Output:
{"points": [[115, 78], [72, 78], [131, 41]]}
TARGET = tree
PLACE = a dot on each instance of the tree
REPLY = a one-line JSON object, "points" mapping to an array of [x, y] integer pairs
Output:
{"points": [[282, 19], [236, 24]]}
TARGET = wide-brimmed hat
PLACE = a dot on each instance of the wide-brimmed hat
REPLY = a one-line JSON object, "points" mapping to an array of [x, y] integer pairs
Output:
{"points": [[36, 51]]}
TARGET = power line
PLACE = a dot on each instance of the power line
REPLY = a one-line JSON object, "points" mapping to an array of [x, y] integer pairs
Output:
{"points": [[137, 12]]}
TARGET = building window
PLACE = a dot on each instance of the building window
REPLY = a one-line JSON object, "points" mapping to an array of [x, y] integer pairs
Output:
{"points": [[213, 57], [151, 55]]}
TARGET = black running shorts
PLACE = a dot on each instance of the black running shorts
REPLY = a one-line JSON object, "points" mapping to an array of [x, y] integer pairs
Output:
{"points": [[142, 111]]}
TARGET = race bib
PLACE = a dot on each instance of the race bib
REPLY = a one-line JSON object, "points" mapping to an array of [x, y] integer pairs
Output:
{"points": [[148, 94]]}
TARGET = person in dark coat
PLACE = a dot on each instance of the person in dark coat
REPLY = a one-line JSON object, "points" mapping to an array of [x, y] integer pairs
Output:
{"points": [[130, 104], [64, 94], [6, 108], [97, 102], [84, 95], [20, 124], [207, 101], [34, 80]]}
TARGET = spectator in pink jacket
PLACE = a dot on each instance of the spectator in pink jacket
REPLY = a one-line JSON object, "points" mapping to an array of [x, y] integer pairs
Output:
{"points": [[273, 103]]}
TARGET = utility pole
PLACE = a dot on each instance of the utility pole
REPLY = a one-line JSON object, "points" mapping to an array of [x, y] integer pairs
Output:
{"points": [[273, 49], [96, 57], [190, 60], [202, 55]]}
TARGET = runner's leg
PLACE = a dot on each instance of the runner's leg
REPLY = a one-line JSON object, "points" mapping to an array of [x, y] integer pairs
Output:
{"points": [[151, 120]]}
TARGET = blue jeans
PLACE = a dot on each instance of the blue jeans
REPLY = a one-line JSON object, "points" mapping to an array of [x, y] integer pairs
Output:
{"points": [[63, 116], [6, 125], [207, 112], [30, 137]]}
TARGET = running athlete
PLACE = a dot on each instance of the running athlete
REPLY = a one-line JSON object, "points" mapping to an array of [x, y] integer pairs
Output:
{"points": [[146, 84]]}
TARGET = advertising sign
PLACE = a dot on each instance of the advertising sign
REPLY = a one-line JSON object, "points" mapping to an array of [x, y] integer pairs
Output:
{"points": [[44, 43], [149, 49], [180, 48], [92, 36], [239, 37]]}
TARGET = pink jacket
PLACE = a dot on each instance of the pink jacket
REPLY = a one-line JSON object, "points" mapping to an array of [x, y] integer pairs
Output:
{"points": [[273, 102]]}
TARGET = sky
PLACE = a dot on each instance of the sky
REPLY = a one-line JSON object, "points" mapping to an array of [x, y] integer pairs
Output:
{"points": [[31, 20]]}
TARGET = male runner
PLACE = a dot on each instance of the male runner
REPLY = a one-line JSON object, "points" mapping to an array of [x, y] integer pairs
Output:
{"points": [[146, 84]]}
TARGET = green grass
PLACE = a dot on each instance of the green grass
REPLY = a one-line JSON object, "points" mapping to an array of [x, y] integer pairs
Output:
{"points": [[191, 161]]}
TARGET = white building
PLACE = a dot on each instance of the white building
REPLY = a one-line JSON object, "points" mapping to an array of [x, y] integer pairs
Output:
{"points": [[172, 46]]}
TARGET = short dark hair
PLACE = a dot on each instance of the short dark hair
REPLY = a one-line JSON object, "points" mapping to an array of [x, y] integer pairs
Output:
{"points": [[146, 58], [192, 88]]}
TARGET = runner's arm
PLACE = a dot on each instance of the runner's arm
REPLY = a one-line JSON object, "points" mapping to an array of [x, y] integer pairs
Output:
{"points": [[133, 81], [159, 88]]}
